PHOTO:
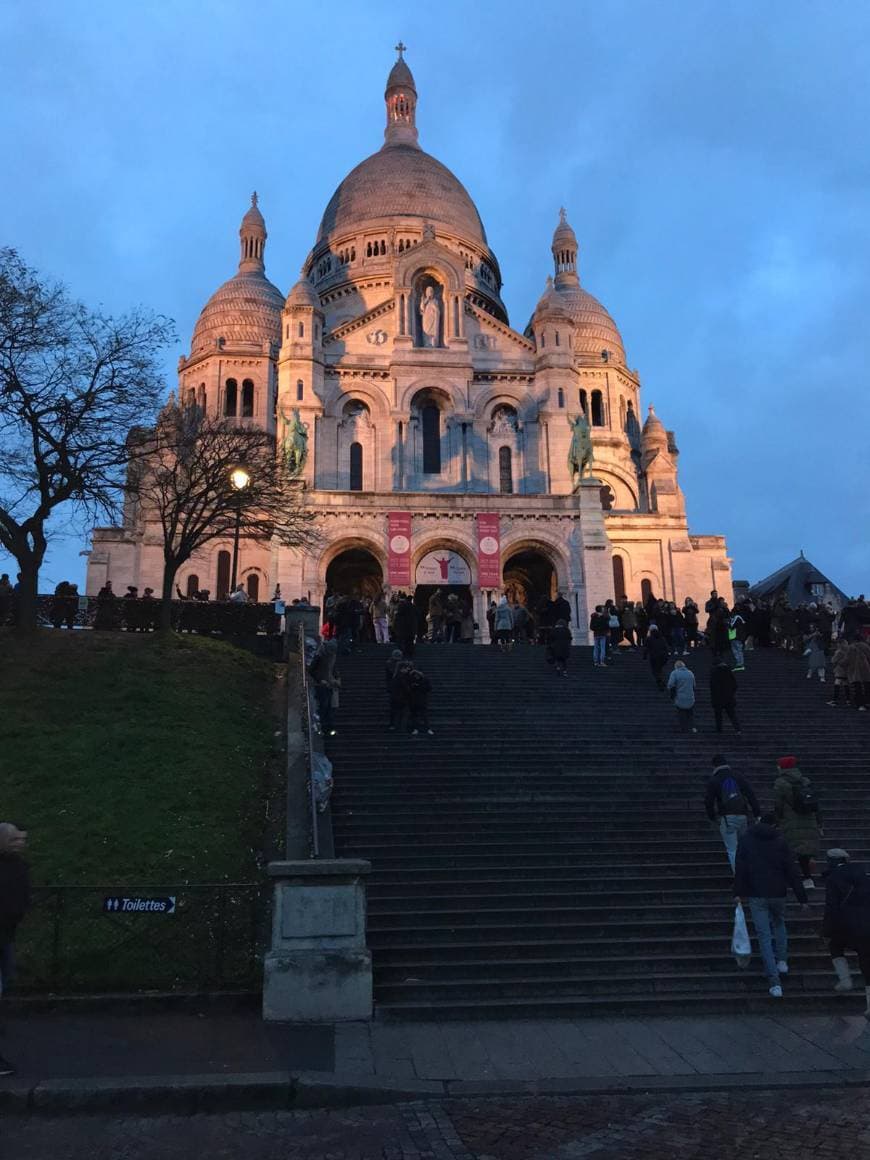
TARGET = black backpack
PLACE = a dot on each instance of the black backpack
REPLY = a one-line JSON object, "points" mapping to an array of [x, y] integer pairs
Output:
{"points": [[731, 799], [804, 799]]}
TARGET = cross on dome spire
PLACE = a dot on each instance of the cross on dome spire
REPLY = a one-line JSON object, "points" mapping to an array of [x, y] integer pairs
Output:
{"points": [[401, 99], [255, 199]]}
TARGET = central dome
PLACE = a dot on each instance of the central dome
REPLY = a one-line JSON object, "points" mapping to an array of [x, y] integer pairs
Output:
{"points": [[401, 181]]}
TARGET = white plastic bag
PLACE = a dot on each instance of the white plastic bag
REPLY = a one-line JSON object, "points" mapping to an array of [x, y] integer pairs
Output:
{"points": [[741, 948], [321, 775]]}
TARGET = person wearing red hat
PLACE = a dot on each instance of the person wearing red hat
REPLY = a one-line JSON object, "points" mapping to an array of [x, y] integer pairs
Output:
{"points": [[798, 815]]}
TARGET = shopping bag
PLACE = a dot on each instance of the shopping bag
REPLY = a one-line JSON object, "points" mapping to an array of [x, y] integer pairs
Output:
{"points": [[741, 948]]}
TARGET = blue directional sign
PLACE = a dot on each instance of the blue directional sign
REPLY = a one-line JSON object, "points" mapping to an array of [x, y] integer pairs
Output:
{"points": [[137, 904]]}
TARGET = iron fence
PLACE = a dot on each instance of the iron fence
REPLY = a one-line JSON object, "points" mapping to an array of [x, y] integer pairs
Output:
{"points": [[75, 941]]}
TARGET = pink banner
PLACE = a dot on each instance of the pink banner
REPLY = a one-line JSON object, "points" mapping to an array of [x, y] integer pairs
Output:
{"points": [[399, 550], [488, 551]]}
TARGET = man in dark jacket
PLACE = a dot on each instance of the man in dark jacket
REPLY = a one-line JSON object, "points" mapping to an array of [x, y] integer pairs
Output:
{"points": [[765, 868], [730, 802], [656, 649], [847, 919], [559, 648], [723, 695], [561, 609], [405, 627], [419, 688], [14, 904]]}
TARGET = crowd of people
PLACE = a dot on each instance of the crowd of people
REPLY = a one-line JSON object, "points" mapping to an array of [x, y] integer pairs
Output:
{"points": [[773, 851]]}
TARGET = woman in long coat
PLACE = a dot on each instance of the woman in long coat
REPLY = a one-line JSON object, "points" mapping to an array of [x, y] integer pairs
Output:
{"points": [[801, 830]]}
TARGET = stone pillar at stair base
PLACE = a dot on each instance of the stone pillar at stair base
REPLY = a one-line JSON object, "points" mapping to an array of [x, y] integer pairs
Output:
{"points": [[597, 553], [319, 969]]}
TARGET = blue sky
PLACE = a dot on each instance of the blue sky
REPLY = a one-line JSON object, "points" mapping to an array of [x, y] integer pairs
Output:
{"points": [[712, 158]]}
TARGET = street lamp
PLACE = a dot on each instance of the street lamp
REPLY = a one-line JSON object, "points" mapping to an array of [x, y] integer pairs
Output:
{"points": [[239, 479]]}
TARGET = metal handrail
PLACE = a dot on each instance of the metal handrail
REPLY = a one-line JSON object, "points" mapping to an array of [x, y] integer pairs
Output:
{"points": [[312, 794]]}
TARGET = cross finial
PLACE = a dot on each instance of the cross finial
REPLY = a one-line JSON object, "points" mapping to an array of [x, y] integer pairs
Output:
{"points": [[562, 215], [254, 199], [400, 48]]}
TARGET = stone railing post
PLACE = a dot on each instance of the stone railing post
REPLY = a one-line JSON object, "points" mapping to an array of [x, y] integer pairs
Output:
{"points": [[319, 969]]}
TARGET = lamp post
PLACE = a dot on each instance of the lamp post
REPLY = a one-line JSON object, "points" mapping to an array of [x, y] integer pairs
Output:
{"points": [[239, 479]]}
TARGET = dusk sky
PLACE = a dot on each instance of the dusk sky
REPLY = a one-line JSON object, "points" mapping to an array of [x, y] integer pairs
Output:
{"points": [[712, 157]]}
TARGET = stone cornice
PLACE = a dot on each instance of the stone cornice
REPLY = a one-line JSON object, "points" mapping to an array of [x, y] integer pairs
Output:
{"points": [[358, 323], [498, 326]]}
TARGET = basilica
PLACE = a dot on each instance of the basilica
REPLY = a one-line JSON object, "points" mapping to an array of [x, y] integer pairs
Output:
{"points": [[436, 444]]}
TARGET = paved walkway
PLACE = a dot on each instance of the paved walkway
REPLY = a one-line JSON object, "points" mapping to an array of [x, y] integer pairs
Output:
{"points": [[459, 1058], [781, 1125]]}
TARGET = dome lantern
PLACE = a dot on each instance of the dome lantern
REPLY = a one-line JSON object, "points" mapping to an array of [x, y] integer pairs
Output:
{"points": [[565, 253], [252, 237], [401, 100]]}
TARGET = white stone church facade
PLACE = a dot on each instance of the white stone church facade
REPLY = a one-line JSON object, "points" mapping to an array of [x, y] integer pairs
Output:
{"points": [[418, 397]]}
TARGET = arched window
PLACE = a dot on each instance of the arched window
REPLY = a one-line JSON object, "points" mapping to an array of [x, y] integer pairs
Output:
{"points": [[561, 397], [543, 339], [252, 582], [505, 471], [201, 397], [430, 417], [557, 338], [300, 390], [192, 586], [584, 403], [618, 578], [301, 329], [597, 409], [645, 590], [621, 413], [356, 467], [231, 398], [222, 587], [247, 399], [190, 396]]}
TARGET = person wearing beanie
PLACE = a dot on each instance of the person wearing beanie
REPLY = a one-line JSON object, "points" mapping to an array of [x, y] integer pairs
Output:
{"points": [[847, 920], [798, 815], [764, 870]]}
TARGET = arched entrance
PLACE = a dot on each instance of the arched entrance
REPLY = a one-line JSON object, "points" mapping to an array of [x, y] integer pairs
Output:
{"points": [[355, 572], [446, 572], [529, 578]]}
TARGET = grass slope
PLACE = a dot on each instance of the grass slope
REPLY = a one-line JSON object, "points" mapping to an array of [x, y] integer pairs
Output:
{"points": [[136, 759]]}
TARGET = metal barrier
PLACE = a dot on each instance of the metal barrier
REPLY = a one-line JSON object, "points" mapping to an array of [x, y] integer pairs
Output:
{"points": [[203, 938]]}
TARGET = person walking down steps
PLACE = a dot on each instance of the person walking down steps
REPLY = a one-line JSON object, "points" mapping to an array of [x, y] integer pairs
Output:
{"points": [[559, 647], [847, 920]]}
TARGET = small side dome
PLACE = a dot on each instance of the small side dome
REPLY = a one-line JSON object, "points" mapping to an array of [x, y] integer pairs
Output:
{"points": [[654, 433], [303, 294], [550, 306]]}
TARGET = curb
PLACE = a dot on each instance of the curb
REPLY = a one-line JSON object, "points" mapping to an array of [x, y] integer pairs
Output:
{"points": [[277, 1090]]}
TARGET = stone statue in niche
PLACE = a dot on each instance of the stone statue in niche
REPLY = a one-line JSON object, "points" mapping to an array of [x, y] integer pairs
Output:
{"points": [[295, 442], [580, 457], [430, 318], [504, 421]]}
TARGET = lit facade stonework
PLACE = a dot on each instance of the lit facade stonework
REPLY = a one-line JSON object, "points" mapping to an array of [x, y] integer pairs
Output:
{"points": [[395, 352]]}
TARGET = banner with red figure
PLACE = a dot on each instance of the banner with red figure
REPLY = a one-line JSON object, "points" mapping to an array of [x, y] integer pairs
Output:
{"points": [[488, 551], [399, 553]]}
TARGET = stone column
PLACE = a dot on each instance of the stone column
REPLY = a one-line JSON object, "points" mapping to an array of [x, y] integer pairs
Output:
{"points": [[319, 969], [597, 563]]}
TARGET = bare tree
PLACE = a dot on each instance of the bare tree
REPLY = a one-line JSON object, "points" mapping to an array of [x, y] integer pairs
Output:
{"points": [[73, 381], [182, 478]]}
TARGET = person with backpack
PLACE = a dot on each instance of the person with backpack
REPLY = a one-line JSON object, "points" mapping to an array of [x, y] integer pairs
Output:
{"points": [[419, 688], [730, 802], [847, 920], [797, 813], [763, 871]]}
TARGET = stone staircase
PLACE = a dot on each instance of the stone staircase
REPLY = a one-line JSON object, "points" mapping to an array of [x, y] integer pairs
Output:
{"points": [[548, 852]]}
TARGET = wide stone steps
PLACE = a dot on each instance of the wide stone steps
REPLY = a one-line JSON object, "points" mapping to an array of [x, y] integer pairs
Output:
{"points": [[547, 852]]}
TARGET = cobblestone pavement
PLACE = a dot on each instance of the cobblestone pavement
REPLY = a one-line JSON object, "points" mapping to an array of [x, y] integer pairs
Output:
{"points": [[780, 1125]]}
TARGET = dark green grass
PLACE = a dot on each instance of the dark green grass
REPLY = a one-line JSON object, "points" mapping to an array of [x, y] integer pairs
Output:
{"points": [[136, 759]]}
